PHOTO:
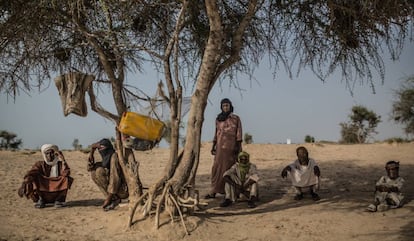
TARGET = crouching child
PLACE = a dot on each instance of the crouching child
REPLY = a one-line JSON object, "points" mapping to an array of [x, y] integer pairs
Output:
{"points": [[388, 189]]}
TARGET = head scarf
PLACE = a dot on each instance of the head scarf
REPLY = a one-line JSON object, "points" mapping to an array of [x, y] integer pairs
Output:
{"points": [[392, 164], [244, 168], [224, 115], [106, 153], [392, 167], [54, 171], [303, 160]]}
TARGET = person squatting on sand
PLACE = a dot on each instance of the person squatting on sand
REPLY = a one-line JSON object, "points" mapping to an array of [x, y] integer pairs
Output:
{"points": [[388, 189], [47, 181], [107, 174], [226, 145], [304, 174], [241, 179]]}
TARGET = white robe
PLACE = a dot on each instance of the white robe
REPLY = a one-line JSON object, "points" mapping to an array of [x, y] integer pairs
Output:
{"points": [[303, 176], [234, 174]]}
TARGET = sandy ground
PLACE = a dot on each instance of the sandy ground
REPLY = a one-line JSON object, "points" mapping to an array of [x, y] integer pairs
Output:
{"points": [[349, 173]]}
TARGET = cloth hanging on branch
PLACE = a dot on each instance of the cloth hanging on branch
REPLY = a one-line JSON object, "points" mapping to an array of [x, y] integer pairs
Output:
{"points": [[72, 87]]}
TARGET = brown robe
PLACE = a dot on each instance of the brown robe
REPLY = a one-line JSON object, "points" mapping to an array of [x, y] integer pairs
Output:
{"points": [[227, 134], [109, 181], [50, 189]]}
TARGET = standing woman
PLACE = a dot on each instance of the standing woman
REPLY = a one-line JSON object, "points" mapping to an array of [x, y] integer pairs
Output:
{"points": [[226, 146]]}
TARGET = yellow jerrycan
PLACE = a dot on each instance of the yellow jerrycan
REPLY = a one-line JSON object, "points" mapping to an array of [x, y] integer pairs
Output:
{"points": [[141, 126]]}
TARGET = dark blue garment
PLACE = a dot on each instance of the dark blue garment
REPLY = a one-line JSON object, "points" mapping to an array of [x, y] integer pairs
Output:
{"points": [[106, 153]]}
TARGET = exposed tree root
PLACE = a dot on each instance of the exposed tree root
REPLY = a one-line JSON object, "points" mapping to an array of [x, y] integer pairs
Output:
{"points": [[169, 202], [131, 215], [177, 205]]}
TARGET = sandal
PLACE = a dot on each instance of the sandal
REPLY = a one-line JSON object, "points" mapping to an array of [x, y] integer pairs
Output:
{"points": [[251, 204], [40, 204], [210, 196], [371, 208], [21, 191], [112, 205], [315, 197], [298, 197], [226, 203], [382, 207]]}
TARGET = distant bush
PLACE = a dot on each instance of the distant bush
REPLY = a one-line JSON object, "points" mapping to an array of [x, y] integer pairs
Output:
{"points": [[8, 141], [248, 139], [396, 140], [309, 139], [76, 145], [327, 142]]}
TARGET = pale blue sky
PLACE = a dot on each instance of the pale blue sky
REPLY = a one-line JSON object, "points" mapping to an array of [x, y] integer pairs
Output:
{"points": [[271, 111]]}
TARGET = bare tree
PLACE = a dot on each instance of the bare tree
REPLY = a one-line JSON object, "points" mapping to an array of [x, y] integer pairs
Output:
{"points": [[195, 44]]}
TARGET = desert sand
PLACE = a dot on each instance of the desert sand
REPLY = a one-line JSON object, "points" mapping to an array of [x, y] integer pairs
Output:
{"points": [[349, 173]]}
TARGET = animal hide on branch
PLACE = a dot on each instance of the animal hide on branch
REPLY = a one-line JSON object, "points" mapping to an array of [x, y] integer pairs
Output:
{"points": [[72, 87]]}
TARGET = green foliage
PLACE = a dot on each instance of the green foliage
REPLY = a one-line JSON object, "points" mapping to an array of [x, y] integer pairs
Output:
{"points": [[361, 126], [403, 107], [248, 139], [309, 139], [8, 141], [349, 133]]}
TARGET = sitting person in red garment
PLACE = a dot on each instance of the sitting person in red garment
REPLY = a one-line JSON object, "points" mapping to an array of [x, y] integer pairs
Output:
{"points": [[48, 181]]}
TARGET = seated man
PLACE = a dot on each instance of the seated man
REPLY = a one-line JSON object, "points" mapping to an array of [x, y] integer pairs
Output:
{"points": [[107, 174], [47, 181], [388, 189], [241, 178], [304, 174]]}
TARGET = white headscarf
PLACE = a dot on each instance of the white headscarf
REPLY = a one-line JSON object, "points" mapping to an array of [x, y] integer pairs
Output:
{"points": [[54, 172]]}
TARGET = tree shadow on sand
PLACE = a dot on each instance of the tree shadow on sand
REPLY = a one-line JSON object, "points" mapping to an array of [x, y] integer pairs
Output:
{"points": [[85, 203], [407, 231], [342, 181]]}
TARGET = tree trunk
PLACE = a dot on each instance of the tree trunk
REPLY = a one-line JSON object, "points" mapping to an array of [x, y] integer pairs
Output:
{"points": [[130, 168], [178, 190]]}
